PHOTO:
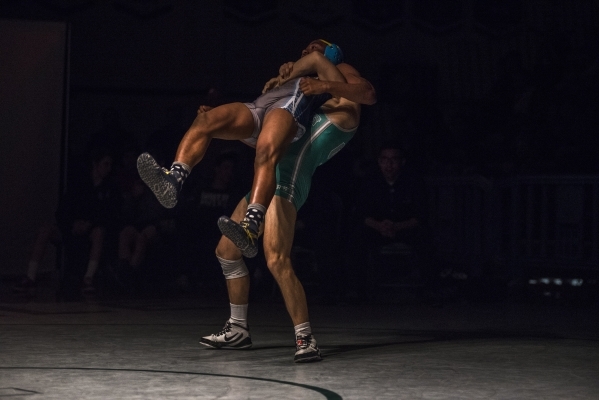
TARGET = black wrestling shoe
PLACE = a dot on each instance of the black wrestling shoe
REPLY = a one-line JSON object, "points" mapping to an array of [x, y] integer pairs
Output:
{"points": [[242, 235], [232, 336], [306, 349], [160, 180]]}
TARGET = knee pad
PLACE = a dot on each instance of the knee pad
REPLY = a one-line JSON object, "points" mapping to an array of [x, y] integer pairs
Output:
{"points": [[233, 269]]}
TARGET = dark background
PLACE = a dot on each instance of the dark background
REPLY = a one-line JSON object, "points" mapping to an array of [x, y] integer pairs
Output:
{"points": [[487, 90], [449, 73]]}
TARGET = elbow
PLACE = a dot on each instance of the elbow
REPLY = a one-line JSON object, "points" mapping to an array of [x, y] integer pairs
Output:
{"points": [[370, 97], [316, 59]]}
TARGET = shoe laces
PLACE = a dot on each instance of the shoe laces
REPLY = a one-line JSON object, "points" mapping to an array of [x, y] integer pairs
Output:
{"points": [[248, 231], [303, 342], [226, 329]]}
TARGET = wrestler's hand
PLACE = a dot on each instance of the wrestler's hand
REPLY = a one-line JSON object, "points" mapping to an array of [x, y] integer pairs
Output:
{"points": [[204, 109], [285, 70], [271, 84], [311, 86]]}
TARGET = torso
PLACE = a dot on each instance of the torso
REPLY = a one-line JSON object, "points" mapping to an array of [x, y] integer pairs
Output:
{"points": [[342, 112]]}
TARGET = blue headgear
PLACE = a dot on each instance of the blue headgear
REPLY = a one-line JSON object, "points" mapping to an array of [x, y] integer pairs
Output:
{"points": [[333, 52]]}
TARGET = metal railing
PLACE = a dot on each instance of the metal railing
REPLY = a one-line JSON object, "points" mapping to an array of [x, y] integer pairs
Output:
{"points": [[522, 222]]}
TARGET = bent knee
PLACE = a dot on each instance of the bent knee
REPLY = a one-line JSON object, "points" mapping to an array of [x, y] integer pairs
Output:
{"points": [[266, 155], [279, 266], [227, 250]]}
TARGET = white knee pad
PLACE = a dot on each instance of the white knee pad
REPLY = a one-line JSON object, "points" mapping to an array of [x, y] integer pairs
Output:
{"points": [[233, 269]]}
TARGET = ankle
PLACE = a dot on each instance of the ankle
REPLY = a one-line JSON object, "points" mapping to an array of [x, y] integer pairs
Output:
{"points": [[254, 215]]}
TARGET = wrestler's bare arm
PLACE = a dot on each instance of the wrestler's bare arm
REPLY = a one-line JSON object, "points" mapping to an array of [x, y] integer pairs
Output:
{"points": [[357, 89], [313, 63]]}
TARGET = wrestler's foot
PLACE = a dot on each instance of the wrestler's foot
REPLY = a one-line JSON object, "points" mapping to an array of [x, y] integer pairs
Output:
{"points": [[306, 349], [232, 336], [242, 235], [160, 180]]}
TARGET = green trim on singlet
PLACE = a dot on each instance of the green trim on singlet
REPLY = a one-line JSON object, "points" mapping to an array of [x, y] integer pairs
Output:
{"points": [[295, 170]]}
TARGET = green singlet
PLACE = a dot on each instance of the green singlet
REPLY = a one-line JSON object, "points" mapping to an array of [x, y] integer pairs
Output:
{"points": [[295, 170]]}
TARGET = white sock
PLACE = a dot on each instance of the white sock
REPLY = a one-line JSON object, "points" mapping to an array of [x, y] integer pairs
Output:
{"points": [[32, 269], [303, 329], [92, 267], [239, 314]]}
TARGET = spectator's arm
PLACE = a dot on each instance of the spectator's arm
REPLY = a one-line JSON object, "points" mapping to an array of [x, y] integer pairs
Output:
{"points": [[408, 224]]}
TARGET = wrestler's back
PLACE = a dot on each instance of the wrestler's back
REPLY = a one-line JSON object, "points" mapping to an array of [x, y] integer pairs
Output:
{"points": [[342, 112]]}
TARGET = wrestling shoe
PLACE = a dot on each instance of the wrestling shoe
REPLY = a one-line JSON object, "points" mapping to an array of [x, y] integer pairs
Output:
{"points": [[160, 180], [306, 349], [242, 235], [232, 336]]}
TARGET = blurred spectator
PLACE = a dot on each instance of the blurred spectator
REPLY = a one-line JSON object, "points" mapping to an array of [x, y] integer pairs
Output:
{"points": [[145, 223], [203, 201], [47, 234], [87, 215], [390, 210]]}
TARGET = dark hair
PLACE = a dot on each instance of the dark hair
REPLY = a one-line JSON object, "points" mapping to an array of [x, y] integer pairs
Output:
{"points": [[97, 154], [392, 145]]}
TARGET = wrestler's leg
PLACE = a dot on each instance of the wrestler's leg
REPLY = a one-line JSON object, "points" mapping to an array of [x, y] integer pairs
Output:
{"points": [[235, 334], [277, 132], [238, 288], [278, 240], [231, 121]]}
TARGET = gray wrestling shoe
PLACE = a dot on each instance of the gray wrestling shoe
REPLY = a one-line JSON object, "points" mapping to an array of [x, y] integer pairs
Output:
{"points": [[242, 235], [306, 349], [162, 183], [232, 336]]}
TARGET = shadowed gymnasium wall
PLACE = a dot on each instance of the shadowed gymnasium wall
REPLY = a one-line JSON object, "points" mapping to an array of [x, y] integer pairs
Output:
{"points": [[32, 62]]}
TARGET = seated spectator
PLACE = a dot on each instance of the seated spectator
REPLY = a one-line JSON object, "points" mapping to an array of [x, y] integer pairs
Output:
{"points": [[391, 209], [87, 215], [47, 234], [203, 201], [145, 224], [85, 212]]}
